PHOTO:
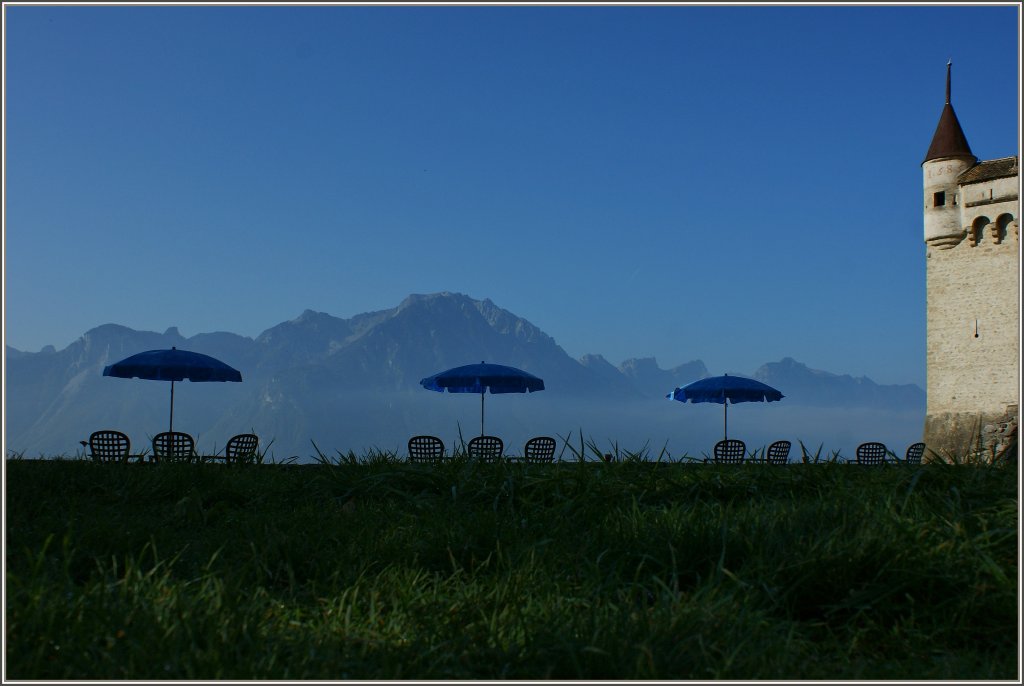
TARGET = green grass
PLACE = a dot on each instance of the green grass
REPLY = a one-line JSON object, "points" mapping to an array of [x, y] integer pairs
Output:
{"points": [[628, 570]]}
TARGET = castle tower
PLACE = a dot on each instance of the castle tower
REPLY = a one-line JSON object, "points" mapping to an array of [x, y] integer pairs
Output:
{"points": [[971, 212]]}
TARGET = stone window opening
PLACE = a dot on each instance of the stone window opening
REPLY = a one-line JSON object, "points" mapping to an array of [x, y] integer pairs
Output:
{"points": [[1000, 227], [939, 199], [977, 230]]}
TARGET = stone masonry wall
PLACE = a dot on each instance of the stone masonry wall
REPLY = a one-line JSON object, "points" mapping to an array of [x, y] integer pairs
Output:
{"points": [[973, 344], [973, 348]]}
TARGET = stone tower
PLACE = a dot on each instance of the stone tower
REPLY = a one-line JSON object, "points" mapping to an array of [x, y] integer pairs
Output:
{"points": [[971, 213]]}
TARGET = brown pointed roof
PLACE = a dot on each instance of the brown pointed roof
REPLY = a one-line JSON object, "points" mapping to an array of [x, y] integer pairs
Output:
{"points": [[949, 139]]}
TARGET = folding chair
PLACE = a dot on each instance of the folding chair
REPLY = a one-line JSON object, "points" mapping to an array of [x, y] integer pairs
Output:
{"points": [[485, 448], [871, 453], [174, 446], [778, 453], [426, 449], [539, 449], [108, 445], [729, 451], [241, 449]]}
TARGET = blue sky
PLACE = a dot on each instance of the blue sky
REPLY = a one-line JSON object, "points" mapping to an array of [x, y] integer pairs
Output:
{"points": [[729, 183]]}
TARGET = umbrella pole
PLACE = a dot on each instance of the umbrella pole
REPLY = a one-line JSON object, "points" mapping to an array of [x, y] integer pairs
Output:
{"points": [[725, 429], [171, 428], [481, 414]]}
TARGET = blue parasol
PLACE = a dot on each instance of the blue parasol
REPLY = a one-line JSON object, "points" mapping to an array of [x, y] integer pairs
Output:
{"points": [[724, 390], [483, 377], [172, 365]]}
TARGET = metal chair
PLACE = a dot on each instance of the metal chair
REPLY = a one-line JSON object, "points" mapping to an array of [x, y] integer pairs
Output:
{"points": [[729, 451], [108, 445], [914, 453], [539, 449], [778, 453], [241, 449], [871, 453], [426, 449], [485, 448], [174, 446]]}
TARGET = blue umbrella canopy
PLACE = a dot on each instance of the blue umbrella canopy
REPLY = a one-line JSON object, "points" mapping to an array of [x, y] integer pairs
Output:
{"points": [[172, 365], [719, 389], [483, 377], [716, 389], [478, 378]]}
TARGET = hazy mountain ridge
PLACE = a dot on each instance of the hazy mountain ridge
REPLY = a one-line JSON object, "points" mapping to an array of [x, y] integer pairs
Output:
{"points": [[355, 382], [649, 378], [819, 388]]}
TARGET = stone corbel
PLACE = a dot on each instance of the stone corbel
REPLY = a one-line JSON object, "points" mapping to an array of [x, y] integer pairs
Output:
{"points": [[997, 236], [972, 235]]}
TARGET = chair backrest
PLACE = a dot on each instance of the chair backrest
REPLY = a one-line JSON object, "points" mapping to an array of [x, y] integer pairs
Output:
{"points": [[730, 451], [486, 448], [108, 445], [914, 453], [871, 453], [241, 448], [778, 453], [173, 445], [539, 449], [425, 449]]}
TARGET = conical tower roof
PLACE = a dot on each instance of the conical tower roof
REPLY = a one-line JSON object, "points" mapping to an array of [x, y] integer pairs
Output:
{"points": [[949, 139]]}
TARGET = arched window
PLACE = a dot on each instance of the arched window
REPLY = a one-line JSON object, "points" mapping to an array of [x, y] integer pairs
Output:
{"points": [[978, 229], [1002, 227]]}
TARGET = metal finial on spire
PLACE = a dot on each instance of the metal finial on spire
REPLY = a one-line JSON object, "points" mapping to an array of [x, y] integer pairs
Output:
{"points": [[949, 68]]}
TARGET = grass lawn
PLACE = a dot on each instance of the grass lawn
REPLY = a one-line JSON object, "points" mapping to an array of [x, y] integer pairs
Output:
{"points": [[387, 570]]}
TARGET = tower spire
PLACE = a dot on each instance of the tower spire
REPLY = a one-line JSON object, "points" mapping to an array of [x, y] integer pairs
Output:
{"points": [[949, 69], [949, 139]]}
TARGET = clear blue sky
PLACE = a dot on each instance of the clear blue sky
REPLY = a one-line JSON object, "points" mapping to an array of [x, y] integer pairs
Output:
{"points": [[729, 183]]}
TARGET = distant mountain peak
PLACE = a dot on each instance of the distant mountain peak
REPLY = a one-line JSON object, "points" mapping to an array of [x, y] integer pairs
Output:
{"points": [[414, 299], [108, 330], [310, 317], [651, 379], [789, 369]]}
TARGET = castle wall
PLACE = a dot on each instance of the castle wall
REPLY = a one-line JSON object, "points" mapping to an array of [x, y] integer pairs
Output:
{"points": [[973, 348], [989, 198]]}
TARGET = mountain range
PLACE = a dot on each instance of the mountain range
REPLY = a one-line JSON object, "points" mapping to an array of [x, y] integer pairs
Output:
{"points": [[319, 382]]}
